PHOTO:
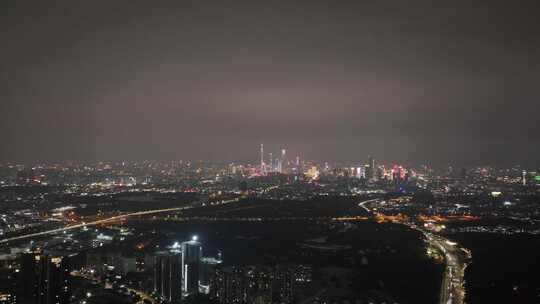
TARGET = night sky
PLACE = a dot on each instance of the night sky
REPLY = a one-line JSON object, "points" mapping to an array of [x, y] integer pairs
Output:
{"points": [[442, 82]]}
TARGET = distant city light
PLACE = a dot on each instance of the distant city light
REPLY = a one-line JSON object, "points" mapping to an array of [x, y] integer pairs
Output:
{"points": [[194, 238], [496, 193]]}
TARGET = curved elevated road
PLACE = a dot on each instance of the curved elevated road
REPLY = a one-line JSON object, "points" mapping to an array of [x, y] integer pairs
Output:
{"points": [[452, 287]]}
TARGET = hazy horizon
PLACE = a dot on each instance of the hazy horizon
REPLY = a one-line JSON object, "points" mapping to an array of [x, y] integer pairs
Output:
{"points": [[442, 83]]}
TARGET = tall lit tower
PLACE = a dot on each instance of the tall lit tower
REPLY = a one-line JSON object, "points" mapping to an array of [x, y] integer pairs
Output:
{"points": [[283, 160], [53, 280], [524, 178], [262, 158], [373, 168], [168, 274], [191, 259], [271, 162]]}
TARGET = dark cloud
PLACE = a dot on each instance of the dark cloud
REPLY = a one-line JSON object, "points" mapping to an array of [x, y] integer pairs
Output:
{"points": [[406, 81]]}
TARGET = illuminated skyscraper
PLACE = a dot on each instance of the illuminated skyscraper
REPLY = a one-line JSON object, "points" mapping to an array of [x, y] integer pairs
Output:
{"points": [[27, 280], [262, 159], [396, 174], [282, 285], [373, 169], [283, 161], [167, 275], [158, 275], [207, 272], [191, 259], [360, 172], [253, 284], [45, 279], [371, 173]]}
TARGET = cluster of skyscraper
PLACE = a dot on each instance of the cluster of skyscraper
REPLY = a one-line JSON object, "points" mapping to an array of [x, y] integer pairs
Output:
{"points": [[253, 284], [181, 271], [282, 165], [278, 164], [43, 279], [369, 171]]}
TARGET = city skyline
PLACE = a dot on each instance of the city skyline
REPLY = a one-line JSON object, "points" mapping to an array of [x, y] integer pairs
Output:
{"points": [[265, 152], [271, 231], [269, 152], [267, 159]]}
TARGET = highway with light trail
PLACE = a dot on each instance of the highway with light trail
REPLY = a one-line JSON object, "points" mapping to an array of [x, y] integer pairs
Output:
{"points": [[98, 222], [452, 286], [107, 220]]}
